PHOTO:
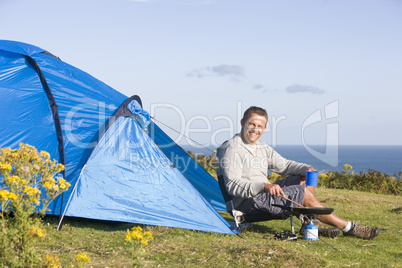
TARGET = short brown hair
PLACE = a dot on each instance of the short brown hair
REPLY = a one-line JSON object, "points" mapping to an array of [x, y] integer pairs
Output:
{"points": [[254, 110]]}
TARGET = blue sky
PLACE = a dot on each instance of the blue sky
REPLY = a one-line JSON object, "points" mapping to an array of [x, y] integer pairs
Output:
{"points": [[326, 71]]}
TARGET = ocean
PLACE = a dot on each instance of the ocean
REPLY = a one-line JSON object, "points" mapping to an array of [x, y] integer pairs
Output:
{"points": [[383, 158]]}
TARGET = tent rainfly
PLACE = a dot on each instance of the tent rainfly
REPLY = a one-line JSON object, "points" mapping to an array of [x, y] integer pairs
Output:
{"points": [[121, 165]]}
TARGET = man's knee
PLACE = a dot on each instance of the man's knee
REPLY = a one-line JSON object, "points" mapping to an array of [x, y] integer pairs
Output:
{"points": [[309, 197]]}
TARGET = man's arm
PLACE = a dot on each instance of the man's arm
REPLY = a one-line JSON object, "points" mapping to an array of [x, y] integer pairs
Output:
{"points": [[283, 166]]}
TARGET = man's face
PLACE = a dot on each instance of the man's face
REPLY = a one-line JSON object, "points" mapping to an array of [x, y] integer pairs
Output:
{"points": [[253, 128]]}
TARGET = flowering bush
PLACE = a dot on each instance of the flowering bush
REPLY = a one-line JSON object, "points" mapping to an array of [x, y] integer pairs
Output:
{"points": [[371, 181], [28, 185], [137, 239]]}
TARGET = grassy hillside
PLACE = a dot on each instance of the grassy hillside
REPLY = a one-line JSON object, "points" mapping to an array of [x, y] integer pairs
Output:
{"points": [[104, 242]]}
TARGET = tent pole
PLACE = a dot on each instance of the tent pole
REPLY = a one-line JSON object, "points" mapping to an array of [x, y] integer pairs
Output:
{"points": [[59, 225]]}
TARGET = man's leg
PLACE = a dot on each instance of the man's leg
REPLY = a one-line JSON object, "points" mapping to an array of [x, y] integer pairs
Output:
{"points": [[348, 228], [294, 191], [303, 182], [311, 201]]}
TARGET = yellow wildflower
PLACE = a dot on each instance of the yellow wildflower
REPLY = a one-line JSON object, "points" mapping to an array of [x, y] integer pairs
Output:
{"points": [[55, 187], [22, 182], [347, 167], [6, 150], [29, 148], [47, 185], [40, 232], [148, 235], [128, 236], [137, 235], [12, 180], [138, 228], [45, 155], [12, 196], [31, 191], [59, 167], [82, 257], [63, 184], [6, 167], [32, 195], [36, 231], [4, 195], [53, 261]]}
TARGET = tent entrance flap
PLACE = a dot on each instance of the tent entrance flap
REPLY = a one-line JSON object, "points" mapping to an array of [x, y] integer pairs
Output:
{"points": [[199, 177]]}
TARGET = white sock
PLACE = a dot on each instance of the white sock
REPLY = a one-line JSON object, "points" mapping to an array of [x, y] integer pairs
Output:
{"points": [[348, 227]]}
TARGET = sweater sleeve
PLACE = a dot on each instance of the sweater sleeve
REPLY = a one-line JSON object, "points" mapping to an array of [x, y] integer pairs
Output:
{"points": [[283, 166], [231, 166]]}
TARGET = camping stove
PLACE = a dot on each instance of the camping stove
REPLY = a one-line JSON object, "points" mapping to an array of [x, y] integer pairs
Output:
{"points": [[310, 230]]}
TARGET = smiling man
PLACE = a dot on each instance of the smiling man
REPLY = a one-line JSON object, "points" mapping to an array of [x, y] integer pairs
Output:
{"points": [[244, 161]]}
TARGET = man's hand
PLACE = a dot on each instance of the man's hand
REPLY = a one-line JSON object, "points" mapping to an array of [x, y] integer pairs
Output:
{"points": [[303, 177], [273, 189]]}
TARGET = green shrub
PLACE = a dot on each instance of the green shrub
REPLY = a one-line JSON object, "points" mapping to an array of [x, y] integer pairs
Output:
{"points": [[371, 181]]}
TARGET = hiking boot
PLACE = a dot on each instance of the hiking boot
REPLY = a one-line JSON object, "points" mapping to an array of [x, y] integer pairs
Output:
{"points": [[363, 232], [323, 229]]}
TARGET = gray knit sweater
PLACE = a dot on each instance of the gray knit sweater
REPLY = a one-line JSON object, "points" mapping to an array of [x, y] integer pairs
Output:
{"points": [[245, 172]]}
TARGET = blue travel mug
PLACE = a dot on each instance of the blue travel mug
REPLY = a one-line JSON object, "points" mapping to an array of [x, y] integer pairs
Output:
{"points": [[311, 178]]}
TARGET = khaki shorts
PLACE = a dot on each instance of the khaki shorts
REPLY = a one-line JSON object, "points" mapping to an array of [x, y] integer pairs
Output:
{"points": [[263, 202]]}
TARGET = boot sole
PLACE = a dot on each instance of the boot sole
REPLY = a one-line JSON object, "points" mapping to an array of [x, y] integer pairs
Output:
{"points": [[375, 233], [331, 233]]}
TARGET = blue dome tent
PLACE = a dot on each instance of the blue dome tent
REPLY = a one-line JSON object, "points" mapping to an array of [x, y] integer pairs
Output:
{"points": [[120, 164]]}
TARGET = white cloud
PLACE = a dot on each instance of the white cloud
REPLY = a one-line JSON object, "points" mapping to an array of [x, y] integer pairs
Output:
{"points": [[262, 88], [235, 72], [297, 88], [258, 86]]}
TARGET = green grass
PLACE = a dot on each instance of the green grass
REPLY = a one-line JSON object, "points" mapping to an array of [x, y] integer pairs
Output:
{"points": [[104, 241]]}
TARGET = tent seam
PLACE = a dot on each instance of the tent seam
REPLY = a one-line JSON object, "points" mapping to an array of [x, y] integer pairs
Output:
{"points": [[55, 113]]}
